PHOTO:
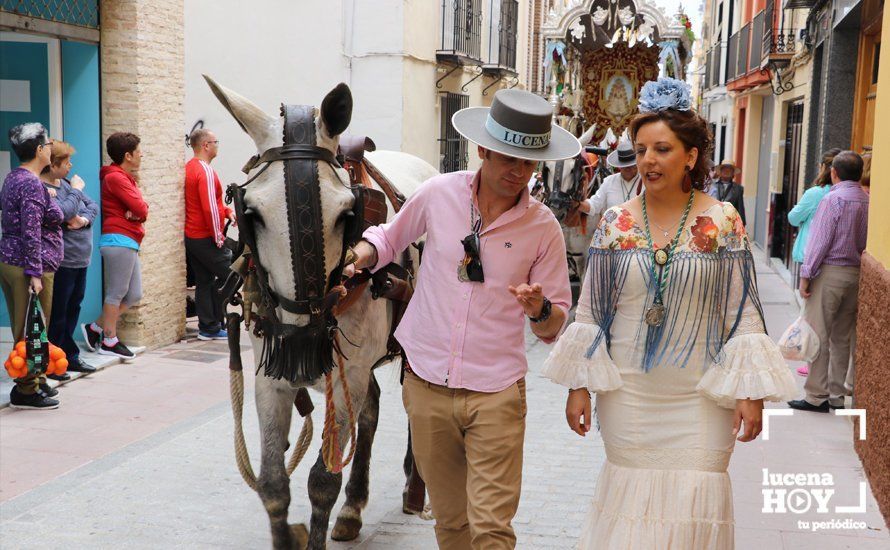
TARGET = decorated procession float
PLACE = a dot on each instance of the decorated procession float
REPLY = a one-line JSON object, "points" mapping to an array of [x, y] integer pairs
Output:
{"points": [[597, 56]]}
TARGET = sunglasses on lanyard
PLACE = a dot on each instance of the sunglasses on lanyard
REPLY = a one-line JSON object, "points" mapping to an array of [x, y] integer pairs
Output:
{"points": [[470, 268]]}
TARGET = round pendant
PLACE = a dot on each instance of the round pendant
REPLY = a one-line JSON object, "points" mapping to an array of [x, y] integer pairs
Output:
{"points": [[655, 315], [661, 257]]}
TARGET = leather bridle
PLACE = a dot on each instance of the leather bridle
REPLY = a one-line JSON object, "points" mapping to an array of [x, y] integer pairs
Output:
{"points": [[297, 353]]}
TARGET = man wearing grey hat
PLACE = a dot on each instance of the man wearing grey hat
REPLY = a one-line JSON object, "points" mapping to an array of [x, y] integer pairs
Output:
{"points": [[618, 188], [493, 257]]}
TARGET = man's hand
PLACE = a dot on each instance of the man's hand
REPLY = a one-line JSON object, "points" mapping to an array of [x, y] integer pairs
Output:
{"points": [[751, 411], [583, 206], [530, 297], [578, 407], [77, 182], [365, 256], [233, 218], [805, 288], [36, 284]]}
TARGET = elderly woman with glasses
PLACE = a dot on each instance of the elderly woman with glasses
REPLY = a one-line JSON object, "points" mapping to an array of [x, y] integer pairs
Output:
{"points": [[30, 248]]}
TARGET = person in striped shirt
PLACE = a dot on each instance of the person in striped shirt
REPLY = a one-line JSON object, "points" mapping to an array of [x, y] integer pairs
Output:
{"points": [[205, 217]]}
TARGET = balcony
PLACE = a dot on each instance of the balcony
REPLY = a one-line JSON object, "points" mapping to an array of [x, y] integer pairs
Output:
{"points": [[732, 57], [461, 33], [502, 40], [779, 44]]}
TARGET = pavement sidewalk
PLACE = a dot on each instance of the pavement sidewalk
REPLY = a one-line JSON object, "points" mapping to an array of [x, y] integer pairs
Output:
{"points": [[140, 455]]}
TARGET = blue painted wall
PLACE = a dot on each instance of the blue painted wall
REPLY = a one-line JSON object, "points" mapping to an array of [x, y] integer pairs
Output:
{"points": [[81, 119], [23, 61]]}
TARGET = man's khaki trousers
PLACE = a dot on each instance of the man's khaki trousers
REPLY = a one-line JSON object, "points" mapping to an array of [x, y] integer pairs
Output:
{"points": [[468, 449], [831, 311]]}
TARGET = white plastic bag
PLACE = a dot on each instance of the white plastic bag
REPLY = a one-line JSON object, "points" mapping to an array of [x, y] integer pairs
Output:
{"points": [[799, 342]]}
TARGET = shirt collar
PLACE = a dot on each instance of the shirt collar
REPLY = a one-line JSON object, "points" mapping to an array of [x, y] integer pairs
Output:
{"points": [[514, 213], [846, 184]]}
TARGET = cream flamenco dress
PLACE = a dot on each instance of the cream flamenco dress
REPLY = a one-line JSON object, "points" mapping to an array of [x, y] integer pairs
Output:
{"points": [[665, 395]]}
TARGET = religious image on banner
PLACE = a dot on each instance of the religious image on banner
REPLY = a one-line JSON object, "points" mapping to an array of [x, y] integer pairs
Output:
{"points": [[612, 78]]}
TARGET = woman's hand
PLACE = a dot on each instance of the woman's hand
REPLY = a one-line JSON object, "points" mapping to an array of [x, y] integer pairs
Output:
{"points": [[77, 222], [52, 192], [751, 411], [578, 406], [77, 182], [36, 284]]}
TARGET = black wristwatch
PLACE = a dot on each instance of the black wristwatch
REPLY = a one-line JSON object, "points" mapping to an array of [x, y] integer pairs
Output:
{"points": [[546, 309]]}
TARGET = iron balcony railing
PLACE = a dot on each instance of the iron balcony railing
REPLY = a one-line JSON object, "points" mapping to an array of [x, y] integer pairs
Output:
{"points": [[779, 43], [461, 30]]}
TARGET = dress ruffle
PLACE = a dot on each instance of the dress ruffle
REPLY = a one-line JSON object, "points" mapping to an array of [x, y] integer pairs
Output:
{"points": [[642, 509], [569, 366], [750, 366]]}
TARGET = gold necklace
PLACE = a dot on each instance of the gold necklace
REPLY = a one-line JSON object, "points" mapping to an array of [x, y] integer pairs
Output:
{"points": [[664, 231]]}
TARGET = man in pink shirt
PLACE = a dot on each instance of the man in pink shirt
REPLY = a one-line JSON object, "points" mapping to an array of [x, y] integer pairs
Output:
{"points": [[493, 256]]}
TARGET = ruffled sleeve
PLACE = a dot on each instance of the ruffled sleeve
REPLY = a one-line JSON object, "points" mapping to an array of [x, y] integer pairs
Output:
{"points": [[570, 366], [749, 366]]}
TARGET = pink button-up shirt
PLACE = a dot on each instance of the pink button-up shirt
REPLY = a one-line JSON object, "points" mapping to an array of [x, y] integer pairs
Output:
{"points": [[466, 334]]}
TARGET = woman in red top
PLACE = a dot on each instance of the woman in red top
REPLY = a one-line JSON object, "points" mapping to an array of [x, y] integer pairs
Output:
{"points": [[124, 212]]}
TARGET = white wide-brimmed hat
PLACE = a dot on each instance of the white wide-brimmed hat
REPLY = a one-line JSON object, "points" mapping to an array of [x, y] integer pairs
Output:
{"points": [[518, 124], [623, 156]]}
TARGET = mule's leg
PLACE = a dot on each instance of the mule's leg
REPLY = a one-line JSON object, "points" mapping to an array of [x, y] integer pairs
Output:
{"points": [[274, 401], [349, 521]]}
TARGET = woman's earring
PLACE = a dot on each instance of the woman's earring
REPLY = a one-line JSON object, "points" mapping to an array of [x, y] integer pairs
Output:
{"points": [[687, 181]]}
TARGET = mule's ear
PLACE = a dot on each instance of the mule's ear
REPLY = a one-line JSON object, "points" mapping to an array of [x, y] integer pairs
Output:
{"points": [[251, 118], [587, 135], [336, 110]]}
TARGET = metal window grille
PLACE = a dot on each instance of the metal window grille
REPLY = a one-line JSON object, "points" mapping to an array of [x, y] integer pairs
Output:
{"points": [[453, 148], [462, 28], [83, 13], [508, 25]]}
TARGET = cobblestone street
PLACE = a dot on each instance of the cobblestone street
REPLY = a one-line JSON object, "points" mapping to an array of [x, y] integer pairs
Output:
{"points": [[140, 456]]}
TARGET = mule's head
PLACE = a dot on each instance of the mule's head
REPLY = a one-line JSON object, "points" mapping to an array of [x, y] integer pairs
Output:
{"points": [[265, 196], [562, 182]]}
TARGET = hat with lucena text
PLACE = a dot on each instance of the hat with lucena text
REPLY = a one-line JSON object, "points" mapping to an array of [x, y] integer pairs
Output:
{"points": [[518, 124]]}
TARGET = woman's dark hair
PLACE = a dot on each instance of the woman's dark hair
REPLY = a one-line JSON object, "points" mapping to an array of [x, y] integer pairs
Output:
{"points": [[119, 144], [26, 139], [824, 176], [848, 166], [691, 129]]}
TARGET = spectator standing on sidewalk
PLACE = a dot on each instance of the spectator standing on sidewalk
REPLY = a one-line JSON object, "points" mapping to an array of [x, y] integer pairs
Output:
{"points": [[30, 248], [829, 281], [725, 189], [70, 281], [205, 218], [801, 216], [124, 212]]}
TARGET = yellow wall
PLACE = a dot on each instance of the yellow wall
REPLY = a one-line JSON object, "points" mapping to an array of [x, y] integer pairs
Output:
{"points": [[878, 220]]}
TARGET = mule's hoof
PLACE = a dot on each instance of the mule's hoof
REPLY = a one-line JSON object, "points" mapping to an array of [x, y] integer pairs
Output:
{"points": [[346, 529], [300, 535]]}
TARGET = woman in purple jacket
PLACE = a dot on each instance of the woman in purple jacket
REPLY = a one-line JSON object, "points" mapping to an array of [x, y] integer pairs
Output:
{"points": [[30, 248]]}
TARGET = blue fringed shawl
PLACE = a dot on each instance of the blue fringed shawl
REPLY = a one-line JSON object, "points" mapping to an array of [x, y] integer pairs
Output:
{"points": [[709, 298]]}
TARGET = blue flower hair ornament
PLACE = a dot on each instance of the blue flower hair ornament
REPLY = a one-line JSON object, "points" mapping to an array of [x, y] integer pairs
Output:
{"points": [[665, 93]]}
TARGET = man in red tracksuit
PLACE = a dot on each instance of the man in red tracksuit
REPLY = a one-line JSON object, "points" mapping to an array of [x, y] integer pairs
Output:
{"points": [[205, 217]]}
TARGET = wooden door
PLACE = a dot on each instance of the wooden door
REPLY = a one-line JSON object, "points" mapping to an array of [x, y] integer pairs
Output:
{"points": [[867, 80]]}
